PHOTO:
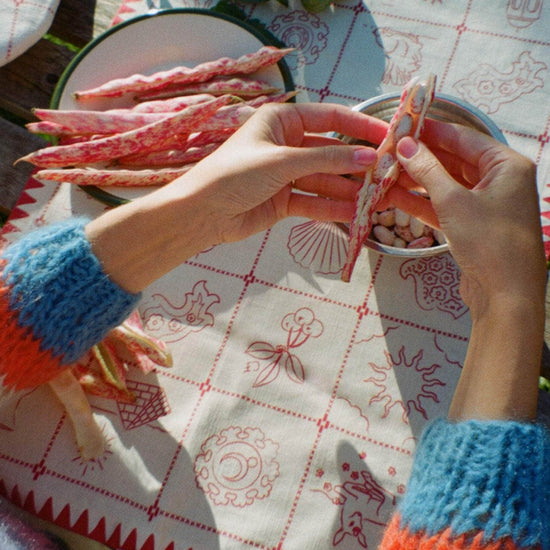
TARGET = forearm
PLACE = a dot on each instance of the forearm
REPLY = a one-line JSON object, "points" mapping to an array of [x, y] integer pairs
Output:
{"points": [[141, 241], [499, 379]]}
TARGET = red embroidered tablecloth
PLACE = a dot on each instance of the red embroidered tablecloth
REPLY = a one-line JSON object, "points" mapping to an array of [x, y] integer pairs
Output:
{"points": [[291, 414]]}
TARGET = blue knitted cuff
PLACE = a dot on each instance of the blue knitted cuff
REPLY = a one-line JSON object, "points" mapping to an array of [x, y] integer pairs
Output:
{"points": [[489, 476], [61, 292]]}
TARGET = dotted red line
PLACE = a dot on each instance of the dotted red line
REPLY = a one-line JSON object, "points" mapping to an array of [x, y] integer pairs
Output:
{"points": [[210, 529], [461, 30], [371, 440], [358, 8]]}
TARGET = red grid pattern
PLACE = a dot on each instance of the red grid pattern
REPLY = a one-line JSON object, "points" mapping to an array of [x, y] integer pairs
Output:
{"points": [[251, 453]]}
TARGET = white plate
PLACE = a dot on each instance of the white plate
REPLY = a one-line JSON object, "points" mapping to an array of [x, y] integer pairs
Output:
{"points": [[153, 42]]}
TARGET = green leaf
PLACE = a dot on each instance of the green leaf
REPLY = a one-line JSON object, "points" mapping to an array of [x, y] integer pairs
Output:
{"points": [[316, 6]]}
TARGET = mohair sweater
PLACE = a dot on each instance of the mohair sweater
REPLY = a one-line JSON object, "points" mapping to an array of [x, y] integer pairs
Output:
{"points": [[56, 302], [475, 485]]}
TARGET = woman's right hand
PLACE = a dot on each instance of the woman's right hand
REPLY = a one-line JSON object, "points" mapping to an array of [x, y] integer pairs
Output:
{"points": [[485, 197]]}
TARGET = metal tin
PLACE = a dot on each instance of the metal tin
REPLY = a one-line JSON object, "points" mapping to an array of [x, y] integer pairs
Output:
{"points": [[444, 108]]}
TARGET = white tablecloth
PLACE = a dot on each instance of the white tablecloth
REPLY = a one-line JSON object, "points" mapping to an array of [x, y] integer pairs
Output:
{"points": [[293, 409]]}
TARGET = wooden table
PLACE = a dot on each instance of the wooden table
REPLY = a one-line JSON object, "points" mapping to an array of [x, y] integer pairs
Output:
{"points": [[29, 81]]}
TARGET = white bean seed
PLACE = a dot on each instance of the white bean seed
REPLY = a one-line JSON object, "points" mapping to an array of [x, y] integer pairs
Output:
{"points": [[401, 218]]}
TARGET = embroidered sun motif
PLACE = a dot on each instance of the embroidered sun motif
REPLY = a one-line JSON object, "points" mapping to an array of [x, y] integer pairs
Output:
{"points": [[420, 384]]}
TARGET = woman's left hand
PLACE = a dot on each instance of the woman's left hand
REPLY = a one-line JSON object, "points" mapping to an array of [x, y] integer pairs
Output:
{"points": [[279, 164]]}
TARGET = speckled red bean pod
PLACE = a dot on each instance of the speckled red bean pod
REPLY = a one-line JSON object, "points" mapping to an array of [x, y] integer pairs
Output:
{"points": [[98, 122], [112, 177], [170, 157], [408, 119], [127, 143], [137, 83], [243, 87], [170, 105]]}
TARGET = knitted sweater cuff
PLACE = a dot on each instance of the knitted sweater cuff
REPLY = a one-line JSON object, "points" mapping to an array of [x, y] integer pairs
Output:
{"points": [[481, 478], [55, 289]]}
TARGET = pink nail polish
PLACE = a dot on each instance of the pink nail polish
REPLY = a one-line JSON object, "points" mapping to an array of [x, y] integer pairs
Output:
{"points": [[364, 156], [407, 147]]}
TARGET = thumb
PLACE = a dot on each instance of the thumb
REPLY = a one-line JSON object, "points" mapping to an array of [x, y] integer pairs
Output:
{"points": [[425, 169]]}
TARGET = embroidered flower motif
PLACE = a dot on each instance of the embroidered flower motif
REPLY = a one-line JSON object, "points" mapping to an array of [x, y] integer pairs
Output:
{"points": [[300, 325]]}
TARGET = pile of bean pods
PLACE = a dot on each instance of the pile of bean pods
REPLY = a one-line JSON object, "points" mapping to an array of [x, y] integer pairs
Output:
{"points": [[178, 117]]}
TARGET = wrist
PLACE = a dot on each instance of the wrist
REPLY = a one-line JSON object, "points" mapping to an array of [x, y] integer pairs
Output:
{"points": [[139, 242], [499, 379]]}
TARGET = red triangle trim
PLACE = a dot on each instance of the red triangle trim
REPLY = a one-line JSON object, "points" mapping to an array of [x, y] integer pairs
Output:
{"points": [[33, 183], [3, 489], [15, 497], [30, 505], [81, 524], [47, 510], [131, 541], [25, 198], [126, 9], [99, 531], [64, 517], [17, 213], [149, 544], [114, 539], [9, 228]]}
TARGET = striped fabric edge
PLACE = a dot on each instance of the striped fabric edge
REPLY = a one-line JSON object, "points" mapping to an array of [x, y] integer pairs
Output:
{"points": [[398, 537]]}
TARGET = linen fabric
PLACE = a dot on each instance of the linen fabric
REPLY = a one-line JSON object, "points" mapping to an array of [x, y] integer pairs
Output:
{"points": [[22, 24]]}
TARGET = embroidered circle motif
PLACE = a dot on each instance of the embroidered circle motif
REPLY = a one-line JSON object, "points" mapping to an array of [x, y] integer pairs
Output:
{"points": [[237, 466], [303, 31]]}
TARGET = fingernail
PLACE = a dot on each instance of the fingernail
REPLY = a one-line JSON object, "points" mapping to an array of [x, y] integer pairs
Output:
{"points": [[407, 147], [364, 156]]}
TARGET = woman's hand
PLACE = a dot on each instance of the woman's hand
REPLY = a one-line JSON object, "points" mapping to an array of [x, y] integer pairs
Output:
{"points": [[278, 164], [260, 174], [487, 204], [485, 198]]}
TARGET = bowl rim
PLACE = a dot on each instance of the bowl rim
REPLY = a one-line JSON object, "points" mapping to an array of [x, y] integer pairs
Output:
{"points": [[483, 118]]}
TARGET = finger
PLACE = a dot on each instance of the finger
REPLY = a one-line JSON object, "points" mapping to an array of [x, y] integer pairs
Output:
{"points": [[465, 142], [320, 140], [329, 185], [407, 182], [321, 209], [424, 168], [464, 172], [332, 159], [330, 117], [412, 203]]}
